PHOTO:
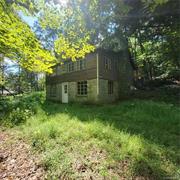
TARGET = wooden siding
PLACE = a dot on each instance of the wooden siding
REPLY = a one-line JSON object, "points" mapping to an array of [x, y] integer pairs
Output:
{"points": [[86, 74], [90, 72], [118, 61], [110, 74]]}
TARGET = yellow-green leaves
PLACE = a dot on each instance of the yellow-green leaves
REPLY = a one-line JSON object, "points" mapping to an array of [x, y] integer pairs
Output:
{"points": [[69, 49], [19, 43]]}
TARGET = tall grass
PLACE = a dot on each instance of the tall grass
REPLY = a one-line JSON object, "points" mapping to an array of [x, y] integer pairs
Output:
{"points": [[136, 138]]}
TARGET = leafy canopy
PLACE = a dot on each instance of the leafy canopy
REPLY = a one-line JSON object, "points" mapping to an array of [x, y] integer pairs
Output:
{"points": [[18, 42], [67, 21]]}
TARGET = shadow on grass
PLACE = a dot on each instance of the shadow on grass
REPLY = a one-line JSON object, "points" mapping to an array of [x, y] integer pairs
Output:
{"points": [[157, 122], [154, 120]]}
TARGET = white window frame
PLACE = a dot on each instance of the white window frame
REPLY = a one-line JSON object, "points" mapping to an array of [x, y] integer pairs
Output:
{"points": [[71, 67], [82, 88], [80, 64]]}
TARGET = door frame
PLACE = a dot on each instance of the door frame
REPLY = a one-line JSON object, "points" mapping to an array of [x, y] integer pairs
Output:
{"points": [[65, 98]]}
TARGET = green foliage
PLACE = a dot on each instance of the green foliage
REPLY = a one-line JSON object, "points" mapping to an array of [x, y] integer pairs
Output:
{"points": [[151, 28], [19, 43], [174, 74], [73, 38], [155, 40], [154, 4], [68, 48], [18, 110], [18, 116]]}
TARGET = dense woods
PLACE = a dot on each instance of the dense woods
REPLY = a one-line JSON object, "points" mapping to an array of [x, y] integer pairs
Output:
{"points": [[71, 29]]}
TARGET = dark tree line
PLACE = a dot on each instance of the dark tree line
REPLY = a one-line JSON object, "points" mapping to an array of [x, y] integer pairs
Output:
{"points": [[150, 29]]}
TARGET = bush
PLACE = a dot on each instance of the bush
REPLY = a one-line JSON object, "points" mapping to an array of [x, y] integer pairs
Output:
{"points": [[6, 105], [158, 83], [174, 74], [18, 116], [17, 110]]}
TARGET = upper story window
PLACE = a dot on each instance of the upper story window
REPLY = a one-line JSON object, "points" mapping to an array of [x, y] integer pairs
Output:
{"points": [[64, 68], [80, 64], [70, 66], [107, 63], [58, 70], [82, 88]]}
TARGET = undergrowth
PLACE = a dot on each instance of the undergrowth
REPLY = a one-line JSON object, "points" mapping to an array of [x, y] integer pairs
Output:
{"points": [[134, 138]]}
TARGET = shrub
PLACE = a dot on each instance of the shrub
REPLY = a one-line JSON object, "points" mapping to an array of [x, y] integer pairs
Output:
{"points": [[17, 110], [6, 105], [18, 116], [174, 74]]}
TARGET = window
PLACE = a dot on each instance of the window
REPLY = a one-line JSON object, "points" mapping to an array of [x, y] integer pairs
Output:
{"points": [[82, 88], [65, 89], [70, 67], [53, 90], [110, 87], [64, 68], [80, 64], [107, 63]]}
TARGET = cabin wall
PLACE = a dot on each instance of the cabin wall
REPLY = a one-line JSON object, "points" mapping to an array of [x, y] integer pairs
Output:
{"points": [[91, 95], [111, 74], [90, 72], [121, 73], [72, 92], [125, 75], [103, 91]]}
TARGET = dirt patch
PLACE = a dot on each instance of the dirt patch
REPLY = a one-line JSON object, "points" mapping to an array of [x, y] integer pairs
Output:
{"points": [[16, 159], [87, 167]]}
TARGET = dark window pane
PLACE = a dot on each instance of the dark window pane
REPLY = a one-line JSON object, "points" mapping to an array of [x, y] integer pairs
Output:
{"points": [[82, 88], [110, 87]]}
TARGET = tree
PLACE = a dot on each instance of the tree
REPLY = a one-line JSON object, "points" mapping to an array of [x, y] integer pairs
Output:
{"points": [[149, 27], [18, 42], [154, 26], [72, 38]]}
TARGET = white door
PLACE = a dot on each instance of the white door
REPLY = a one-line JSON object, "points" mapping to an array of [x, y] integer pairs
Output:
{"points": [[64, 92]]}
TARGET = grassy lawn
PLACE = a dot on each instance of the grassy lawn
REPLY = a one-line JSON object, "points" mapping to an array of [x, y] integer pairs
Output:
{"points": [[130, 139]]}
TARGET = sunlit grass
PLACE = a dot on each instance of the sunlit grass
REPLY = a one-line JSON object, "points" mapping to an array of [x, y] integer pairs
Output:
{"points": [[144, 134]]}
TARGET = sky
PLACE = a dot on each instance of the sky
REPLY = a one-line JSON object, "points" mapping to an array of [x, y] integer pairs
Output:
{"points": [[28, 19]]}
